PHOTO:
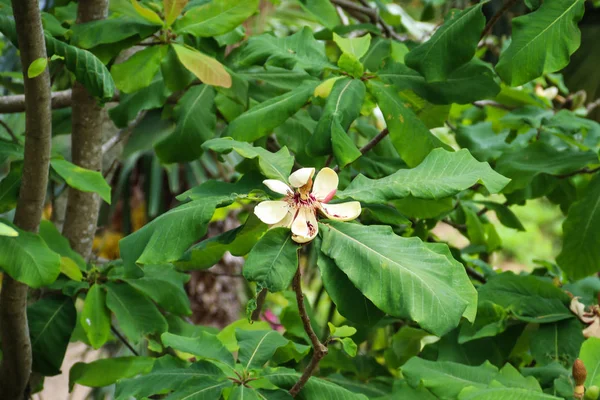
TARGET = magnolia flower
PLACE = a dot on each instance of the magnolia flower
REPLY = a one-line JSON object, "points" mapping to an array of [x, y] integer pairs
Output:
{"points": [[298, 209], [591, 317]]}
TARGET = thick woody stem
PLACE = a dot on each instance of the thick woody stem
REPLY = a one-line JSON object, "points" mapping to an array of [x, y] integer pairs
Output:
{"points": [[16, 346], [319, 349]]}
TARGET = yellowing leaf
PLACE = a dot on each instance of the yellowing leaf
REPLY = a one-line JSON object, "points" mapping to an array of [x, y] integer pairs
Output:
{"points": [[325, 87], [70, 269], [146, 13], [206, 68], [6, 230], [172, 9]]}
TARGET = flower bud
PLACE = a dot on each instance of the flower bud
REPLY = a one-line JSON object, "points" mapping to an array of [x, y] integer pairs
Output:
{"points": [[579, 372]]}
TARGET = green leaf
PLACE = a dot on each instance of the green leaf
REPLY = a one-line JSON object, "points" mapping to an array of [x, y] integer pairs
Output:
{"points": [[590, 356], [95, 316], [523, 164], [344, 149], [6, 230], [37, 67], [27, 258], [206, 68], [529, 55], [261, 119], [356, 47], [409, 135], [504, 214], [86, 67], [164, 285], [196, 121], [168, 373], [58, 243], [580, 255], [257, 347], [315, 388], [243, 392], [350, 302], [482, 141], [527, 297], [451, 46], [323, 10], [215, 18], [446, 379], [440, 175], [130, 105], [341, 331], [406, 343], [137, 315], [343, 104], [502, 393], [473, 81], [146, 13], [82, 179], [272, 165], [202, 389], [349, 346], [105, 372], [138, 70], [238, 242], [279, 78], [172, 9], [557, 342], [53, 26], [166, 238], [509, 376], [227, 334], [491, 320], [11, 183], [205, 346], [273, 261], [51, 321], [88, 35], [413, 279], [300, 50]]}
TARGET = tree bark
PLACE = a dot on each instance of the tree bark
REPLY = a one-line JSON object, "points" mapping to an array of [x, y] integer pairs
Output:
{"points": [[86, 149], [16, 345]]}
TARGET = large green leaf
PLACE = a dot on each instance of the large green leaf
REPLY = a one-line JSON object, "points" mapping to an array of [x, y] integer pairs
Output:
{"points": [[451, 46], [440, 175], [503, 393], [136, 314], [482, 141], [152, 96], [527, 297], [580, 255], [261, 119], [590, 356], [300, 49], [350, 302], [280, 78], [272, 165], [523, 164], [58, 243], [410, 136], [10, 184], [111, 30], [164, 285], [142, 65], [273, 261], [446, 379], [82, 179], [105, 372], [86, 67], [404, 277], [215, 18], [257, 347], [95, 316], [206, 346], [315, 388], [196, 121], [343, 105], [472, 81], [323, 11], [542, 41], [167, 374], [51, 321], [201, 389], [27, 258], [557, 342]]}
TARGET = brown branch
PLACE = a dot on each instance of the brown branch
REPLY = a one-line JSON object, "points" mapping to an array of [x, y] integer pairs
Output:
{"points": [[16, 345], [86, 149], [496, 17], [123, 340], [590, 107], [578, 172], [367, 147], [319, 349], [122, 133], [372, 14], [16, 103], [10, 132]]}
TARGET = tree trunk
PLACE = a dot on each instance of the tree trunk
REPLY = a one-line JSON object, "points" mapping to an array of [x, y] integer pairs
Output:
{"points": [[86, 149], [16, 346]]}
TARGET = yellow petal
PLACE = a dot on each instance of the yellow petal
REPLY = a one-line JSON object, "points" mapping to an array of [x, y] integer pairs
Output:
{"points": [[278, 186], [343, 211], [271, 212], [301, 177], [304, 227], [326, 184]]}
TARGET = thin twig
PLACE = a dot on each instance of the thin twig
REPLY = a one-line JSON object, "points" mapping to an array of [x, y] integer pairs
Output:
{"points": [[475, 275], [372, 14], [578, 172], [496, 17], [590, 107], [122, 339], [10, 132], [122, 134], [372, 143], [483, 103], [319, 349]]}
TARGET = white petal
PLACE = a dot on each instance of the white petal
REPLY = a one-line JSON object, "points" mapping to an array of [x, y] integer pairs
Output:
{"points": [[301, 177], [304, 227], [326, 184], [271, 212], [286, 222], [593, 330], [343, 211], [277, 186]]}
